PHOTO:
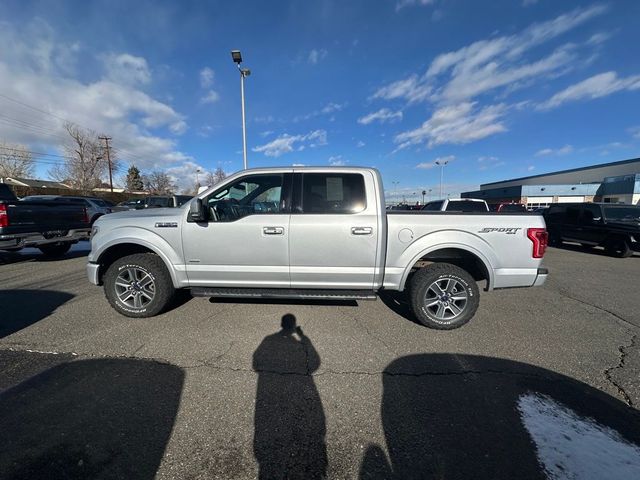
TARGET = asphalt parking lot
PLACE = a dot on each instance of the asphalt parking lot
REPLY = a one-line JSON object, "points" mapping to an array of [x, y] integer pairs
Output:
{"points": [[313, 390]]}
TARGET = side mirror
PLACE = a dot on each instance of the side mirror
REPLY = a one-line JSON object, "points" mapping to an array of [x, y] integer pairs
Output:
{"points": [[197, 212]]}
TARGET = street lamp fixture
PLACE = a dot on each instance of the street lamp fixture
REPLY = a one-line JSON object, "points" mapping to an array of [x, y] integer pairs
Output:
{"points": [[441, 164], [244, 73]]}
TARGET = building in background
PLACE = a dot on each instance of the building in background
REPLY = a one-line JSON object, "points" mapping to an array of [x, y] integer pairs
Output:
{"points": [[616, 182]]}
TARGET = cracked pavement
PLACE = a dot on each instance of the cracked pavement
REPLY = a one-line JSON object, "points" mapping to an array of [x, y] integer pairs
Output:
{"points": [[234, 389]]}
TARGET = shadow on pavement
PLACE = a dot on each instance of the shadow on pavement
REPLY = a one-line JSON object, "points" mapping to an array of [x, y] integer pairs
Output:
{"points": [[289, 437], [33, 255], [464, 416], [108, 418], [398, 302], [21, 308]]}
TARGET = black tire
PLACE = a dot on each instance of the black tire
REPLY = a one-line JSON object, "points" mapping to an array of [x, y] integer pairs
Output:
{"points": [[53, 250], [618, 247], [422, 288], [145, 266]]}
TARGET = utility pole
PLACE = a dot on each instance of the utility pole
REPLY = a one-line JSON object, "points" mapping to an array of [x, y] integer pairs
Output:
{"points": [[106, 142]]}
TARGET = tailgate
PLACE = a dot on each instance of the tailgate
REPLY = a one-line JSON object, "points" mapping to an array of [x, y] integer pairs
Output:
{"points": [[42, 217]]}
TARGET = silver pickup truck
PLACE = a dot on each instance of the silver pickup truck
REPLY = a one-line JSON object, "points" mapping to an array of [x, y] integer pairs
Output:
{"points": [[316, 233]]}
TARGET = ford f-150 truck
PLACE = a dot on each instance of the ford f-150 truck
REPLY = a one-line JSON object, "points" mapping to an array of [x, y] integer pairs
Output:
{"points": [[46, 224], [312, 233]]}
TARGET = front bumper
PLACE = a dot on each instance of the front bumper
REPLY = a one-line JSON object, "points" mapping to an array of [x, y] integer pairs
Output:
{"points": [[541, 277], [93, 273]]}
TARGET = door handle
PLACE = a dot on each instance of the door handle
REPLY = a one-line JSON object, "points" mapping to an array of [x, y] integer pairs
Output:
{"points": [[361, 230], [273, 230]]}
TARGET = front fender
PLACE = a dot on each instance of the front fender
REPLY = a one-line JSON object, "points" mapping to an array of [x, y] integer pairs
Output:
{"points": [[170, 254]]}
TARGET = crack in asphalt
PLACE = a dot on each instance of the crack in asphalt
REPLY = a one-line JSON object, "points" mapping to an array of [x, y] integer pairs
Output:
{"points": [[212, 361], [597, 307], [366, 329], [622, 349]]}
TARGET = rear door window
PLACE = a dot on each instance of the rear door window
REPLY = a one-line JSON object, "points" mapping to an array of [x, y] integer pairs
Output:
{"points": [[433, 206], [333, 193], [465, 206]]}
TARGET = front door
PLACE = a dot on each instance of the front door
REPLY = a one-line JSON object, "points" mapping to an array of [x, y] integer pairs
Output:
{"points": [[333, 231], [245, 242]]}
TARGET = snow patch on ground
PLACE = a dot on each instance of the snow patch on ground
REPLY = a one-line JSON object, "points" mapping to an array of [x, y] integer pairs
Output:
{"points": [[572, 447]]}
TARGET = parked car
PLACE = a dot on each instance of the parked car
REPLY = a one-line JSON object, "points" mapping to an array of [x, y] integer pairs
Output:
{"points": [[510, 207], [456, 205], [153, 202], [46, 224], [327, 235], [96, 207], [615, 227]]}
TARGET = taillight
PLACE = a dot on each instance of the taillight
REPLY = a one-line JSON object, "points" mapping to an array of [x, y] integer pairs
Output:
{"points": [[540, 238], [4, 218], [86, 215]]}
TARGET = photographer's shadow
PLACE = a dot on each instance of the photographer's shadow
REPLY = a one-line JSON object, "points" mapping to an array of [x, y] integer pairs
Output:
{"points": [[289, 439]]}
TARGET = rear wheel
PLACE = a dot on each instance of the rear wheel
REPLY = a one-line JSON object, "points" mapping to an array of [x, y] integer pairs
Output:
{"points": [[618, 247], [139, 285], [444, 296], [55, 249]]}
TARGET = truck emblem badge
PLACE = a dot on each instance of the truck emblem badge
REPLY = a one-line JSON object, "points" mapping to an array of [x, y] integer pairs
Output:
{"points": [[507, 230]]}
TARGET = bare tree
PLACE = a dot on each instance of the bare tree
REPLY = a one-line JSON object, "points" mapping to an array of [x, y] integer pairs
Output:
{"points": [[215, 177], [15, 161], [85, 163], [159, 183]]}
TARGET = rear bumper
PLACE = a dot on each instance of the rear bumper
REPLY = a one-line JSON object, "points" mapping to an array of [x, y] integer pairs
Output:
{"points": [[23, 240], [93, 273], [541, 277]]}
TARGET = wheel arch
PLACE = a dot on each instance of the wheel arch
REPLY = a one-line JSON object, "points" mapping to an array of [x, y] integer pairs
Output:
{"points": [[131, 247], [463, 256]]}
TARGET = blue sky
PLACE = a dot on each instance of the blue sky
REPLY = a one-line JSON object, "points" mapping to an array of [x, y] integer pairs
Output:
{"points": [[500, 89]]}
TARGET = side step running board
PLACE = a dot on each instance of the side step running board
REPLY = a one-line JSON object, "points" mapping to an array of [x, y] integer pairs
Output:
{"points": [[283, 293]]}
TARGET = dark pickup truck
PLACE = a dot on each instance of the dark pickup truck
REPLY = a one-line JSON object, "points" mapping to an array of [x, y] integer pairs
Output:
{"points": [[153, 202], [50, 226], [615, 227]]}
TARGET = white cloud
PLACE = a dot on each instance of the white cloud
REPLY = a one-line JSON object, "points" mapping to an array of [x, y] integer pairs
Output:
{"points": [[567, 149], [337, 161], [489, 162], [635, 131], [411, 89], [531, 168], [596, 86], [360, 144], [185, 176], [457, 124], [210, 97], [439, 160], [317, 55], [400, 4], [328, 109], [286, 143], [383, 115], [526, 3], [207, 76], [127, 69], [455, 81], [37, 69]]}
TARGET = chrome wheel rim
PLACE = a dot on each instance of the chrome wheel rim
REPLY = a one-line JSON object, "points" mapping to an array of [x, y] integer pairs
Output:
{"points": [[135, 287], [446, 299]]}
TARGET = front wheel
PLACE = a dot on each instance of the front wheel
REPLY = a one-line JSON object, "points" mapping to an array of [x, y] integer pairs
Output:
{"points": [[444, 296], [54, 249], [139, 285]]}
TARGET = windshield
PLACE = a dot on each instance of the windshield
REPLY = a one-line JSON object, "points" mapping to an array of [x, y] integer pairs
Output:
{"points": [[622, 213]]}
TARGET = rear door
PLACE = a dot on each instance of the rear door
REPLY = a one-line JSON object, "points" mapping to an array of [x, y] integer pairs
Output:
{"points": [[333, 231]]}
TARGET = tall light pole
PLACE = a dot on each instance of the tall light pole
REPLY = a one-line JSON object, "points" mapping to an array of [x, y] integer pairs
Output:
{"points": [[441, 164], [244, 72], [198, 177], [395, 188]]}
